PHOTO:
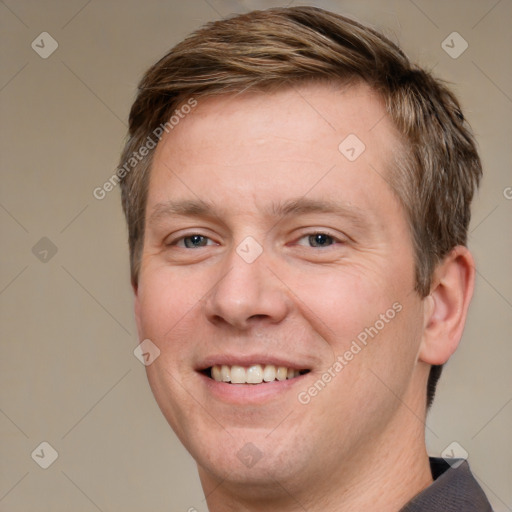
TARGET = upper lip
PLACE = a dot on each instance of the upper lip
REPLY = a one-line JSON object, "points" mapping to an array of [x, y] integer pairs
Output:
{"points": [[247, 360]]}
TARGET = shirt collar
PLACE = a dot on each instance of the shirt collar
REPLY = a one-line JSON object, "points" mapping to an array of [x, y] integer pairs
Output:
{"points": [[454, 489]]}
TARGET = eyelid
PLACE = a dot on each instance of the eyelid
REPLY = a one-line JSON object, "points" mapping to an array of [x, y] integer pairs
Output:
{"points": [[175, 238], [336, 238]]}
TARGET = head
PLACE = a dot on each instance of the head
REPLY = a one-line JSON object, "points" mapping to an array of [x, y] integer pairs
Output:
{"points": [[261, 103]]}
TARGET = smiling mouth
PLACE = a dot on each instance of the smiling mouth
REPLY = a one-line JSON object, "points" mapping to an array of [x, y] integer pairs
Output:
{"points": [[254, 374]]}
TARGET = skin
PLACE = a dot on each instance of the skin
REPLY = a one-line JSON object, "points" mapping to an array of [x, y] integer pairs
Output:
{"points": [[359, 442]]}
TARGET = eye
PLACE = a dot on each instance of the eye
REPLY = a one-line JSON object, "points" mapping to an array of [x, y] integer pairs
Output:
{"points": [[193, 241], [317, 240]]}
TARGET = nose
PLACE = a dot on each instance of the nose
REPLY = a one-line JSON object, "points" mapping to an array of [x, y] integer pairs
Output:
{"points": [[247, 294]]}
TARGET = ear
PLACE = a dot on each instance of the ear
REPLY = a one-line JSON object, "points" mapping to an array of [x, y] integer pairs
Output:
{"points": [[447, 305]]}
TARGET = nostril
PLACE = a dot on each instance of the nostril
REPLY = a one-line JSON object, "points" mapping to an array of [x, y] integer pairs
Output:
{"points": [[258, 317]]}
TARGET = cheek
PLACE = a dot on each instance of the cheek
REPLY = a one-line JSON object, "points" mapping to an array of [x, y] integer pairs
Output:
{"points": [[377, 354], [165, 302], [346, 300]]}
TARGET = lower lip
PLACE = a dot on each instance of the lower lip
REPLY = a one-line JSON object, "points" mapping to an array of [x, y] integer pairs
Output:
{"points": [[244, 394]]}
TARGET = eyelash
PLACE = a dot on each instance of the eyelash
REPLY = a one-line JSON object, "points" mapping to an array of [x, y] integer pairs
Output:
{"points": [[333, 239], [175, 243]]}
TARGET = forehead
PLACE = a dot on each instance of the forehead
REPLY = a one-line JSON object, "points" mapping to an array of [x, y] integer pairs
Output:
{"points": [[302, 112], [324, 140]]}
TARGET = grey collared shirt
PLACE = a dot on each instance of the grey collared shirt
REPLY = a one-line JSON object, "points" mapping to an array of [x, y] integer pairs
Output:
{"points": [[454, 489]]}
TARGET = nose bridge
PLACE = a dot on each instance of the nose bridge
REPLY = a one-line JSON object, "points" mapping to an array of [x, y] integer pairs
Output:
{"points": [[248, 290]]}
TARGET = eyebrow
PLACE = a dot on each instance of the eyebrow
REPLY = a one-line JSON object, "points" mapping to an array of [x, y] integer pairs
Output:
{"points": [[185, 208], [305, 205], [299, 206]]}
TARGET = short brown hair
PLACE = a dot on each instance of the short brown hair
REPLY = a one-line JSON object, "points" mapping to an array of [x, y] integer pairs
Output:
{"points": [[436, 174]]}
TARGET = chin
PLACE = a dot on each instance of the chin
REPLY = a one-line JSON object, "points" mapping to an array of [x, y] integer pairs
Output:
{"points": [[253, 461]]}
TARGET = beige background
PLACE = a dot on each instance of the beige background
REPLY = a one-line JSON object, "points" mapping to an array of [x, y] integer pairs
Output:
{"points": [[68, 373]]}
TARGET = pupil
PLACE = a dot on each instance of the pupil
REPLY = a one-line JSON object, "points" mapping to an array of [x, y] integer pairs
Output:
{"points": [[319, 239], [195, 241]]}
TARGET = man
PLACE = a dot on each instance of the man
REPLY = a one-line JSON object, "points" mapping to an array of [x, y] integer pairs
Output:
{"points": [[297, 241]]}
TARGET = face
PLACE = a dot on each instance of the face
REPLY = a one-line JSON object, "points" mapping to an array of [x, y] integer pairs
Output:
{"points": [[277, 281]]}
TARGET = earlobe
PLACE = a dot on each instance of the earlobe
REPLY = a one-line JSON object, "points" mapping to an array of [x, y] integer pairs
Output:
{"points": [[447, 305]]}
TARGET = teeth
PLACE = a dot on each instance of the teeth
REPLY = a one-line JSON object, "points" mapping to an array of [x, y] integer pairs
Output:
{"points": [[282, 372], [255, 374], [269, 373], [217, 373], [238, 375], [225, 374]]}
